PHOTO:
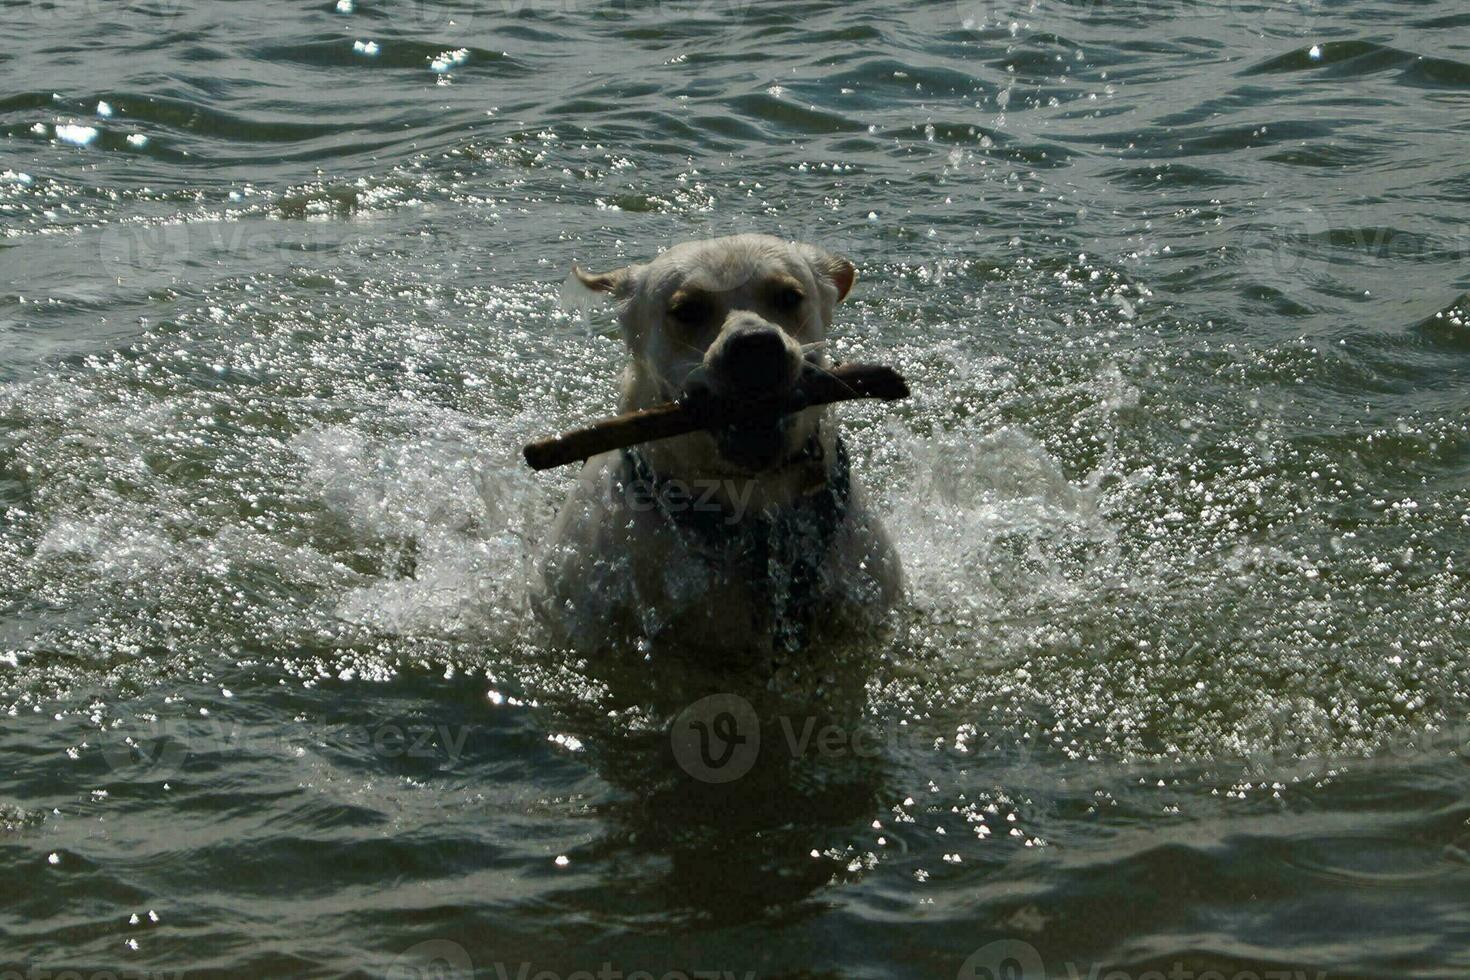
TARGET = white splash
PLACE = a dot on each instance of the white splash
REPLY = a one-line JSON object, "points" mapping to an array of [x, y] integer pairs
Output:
{"points": [[76, 135], [966, 499], [442, 499]]}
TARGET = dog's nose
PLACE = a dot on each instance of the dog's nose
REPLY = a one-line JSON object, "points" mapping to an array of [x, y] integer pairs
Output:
{"points": [[756, 358]]}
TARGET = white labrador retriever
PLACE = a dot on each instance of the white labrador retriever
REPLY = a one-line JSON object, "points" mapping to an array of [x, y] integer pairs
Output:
{"points": [[748, 540]]}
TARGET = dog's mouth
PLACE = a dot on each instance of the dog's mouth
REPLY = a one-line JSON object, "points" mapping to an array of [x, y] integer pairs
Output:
{"points": [[750, 430], [754, 445]]}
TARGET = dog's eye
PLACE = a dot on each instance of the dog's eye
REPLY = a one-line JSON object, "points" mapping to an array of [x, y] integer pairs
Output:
{"points": [[788, 300], [690, 312]]}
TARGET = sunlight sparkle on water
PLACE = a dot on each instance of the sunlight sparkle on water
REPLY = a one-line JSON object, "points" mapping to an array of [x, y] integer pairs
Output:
{"points": [[76, 135]]}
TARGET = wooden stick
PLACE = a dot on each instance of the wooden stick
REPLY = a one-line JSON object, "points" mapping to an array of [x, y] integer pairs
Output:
{"points": [[842, 383]]}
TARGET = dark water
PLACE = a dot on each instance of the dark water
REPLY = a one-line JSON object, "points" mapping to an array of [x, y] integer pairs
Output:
{"points": [[1181, 683]]}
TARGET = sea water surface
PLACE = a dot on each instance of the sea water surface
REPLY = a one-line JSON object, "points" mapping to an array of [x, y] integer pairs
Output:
{"points": [[1181, 682]]}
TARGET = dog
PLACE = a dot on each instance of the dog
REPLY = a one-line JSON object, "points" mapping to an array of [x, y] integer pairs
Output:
{"points": [[755, 538]]}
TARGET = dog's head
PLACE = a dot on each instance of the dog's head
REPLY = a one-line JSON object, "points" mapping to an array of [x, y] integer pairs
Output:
{"points": [[741, 317]]}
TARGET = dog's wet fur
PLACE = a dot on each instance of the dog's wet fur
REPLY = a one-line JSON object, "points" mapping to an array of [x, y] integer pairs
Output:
{"points": [[736, 319]]}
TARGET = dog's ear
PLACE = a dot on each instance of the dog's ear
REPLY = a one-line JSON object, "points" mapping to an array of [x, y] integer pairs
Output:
{"points": [[616, 282], [836, 270]]}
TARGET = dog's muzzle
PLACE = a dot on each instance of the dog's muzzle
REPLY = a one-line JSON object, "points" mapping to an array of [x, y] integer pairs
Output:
{"points": [[752, 360], [756, 360]]}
